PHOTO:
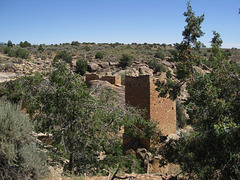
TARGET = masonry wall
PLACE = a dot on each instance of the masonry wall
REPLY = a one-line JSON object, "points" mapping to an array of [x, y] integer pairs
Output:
{"points": [[90, 77], [137, 91], [112, 79], [162, 110], [141, 92]]}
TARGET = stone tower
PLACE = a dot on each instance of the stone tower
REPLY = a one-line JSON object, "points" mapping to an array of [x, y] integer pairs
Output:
{"points": [[141, 92]]}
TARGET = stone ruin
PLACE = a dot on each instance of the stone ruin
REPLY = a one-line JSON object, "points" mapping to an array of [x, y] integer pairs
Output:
{"points": [[141, 92], [116, 80]]}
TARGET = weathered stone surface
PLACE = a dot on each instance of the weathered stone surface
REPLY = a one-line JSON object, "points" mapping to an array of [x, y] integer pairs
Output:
{"points": [[109, 74], [6, 76], [168, 64], [45, 138], [104, 65], [200, 70], [130, 72], [113, 63], [99, 85], [92, 67], [144, 70]]}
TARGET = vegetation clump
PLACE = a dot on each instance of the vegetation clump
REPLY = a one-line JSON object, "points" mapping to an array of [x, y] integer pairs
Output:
{"points": [[82, 125], [212, 106], [64, 56], [19, 156], [21, 53], [99, 55], [156, 66], [81, 66], [159, 54], [75, 43], [25, 44], [40, 48], [9, 43], [126, 60]]}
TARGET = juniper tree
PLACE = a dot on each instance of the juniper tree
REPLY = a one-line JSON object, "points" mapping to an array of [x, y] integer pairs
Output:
{"points": [[212, 150]]}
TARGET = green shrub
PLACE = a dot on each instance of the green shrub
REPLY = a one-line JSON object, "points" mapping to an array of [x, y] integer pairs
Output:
{"points": [[169, 74], [21, 53], [181, 117], [9, 44], [64, 56], [18, 154], [6, 50], [75, 43], [156, 66], [87, 48], [99, 55], [126, 60], [159, 54], [11, 53], [81, 66], [25, 44], [40, 48]]}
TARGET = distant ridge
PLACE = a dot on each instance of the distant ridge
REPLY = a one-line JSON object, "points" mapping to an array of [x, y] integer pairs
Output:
{"points": [[2, 43]]}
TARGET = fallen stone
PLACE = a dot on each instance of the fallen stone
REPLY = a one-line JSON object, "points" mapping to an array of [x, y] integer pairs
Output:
{"points": [[92, 67]]}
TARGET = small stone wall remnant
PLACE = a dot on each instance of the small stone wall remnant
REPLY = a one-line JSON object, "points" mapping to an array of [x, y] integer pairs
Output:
{"points": [[116, 80]]}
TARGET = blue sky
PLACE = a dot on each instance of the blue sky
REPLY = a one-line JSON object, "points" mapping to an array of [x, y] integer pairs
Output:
{"points": [[109, 21]]}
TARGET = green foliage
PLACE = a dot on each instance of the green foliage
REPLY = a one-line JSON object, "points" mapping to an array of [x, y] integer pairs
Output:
{"points": [[170, 88], [75, 43], [181, 117], [159, 54], [22, 91], [186, 54], [63, 56], [40, 48], [192, 30], [99, 55], [9, 43], [164, 45], [81, 66], [211, 151], [156, 66], [25, 44], [22, 53], [18, 153], [82, 125], [169, 74], [85, 125], [87, 48], [6, 50], [11, 53], [126, 60]]}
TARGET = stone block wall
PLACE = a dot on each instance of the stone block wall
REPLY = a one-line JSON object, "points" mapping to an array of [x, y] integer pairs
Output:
{"points": [[90, 77], [141, 92], [112, 79], [116, 80]]}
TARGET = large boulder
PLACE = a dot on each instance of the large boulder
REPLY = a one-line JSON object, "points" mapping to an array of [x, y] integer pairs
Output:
{"points": [[168, 64], [93, 67], [113, 63], [104, 65], [7, 76], [144, 70], [98, 86]]}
